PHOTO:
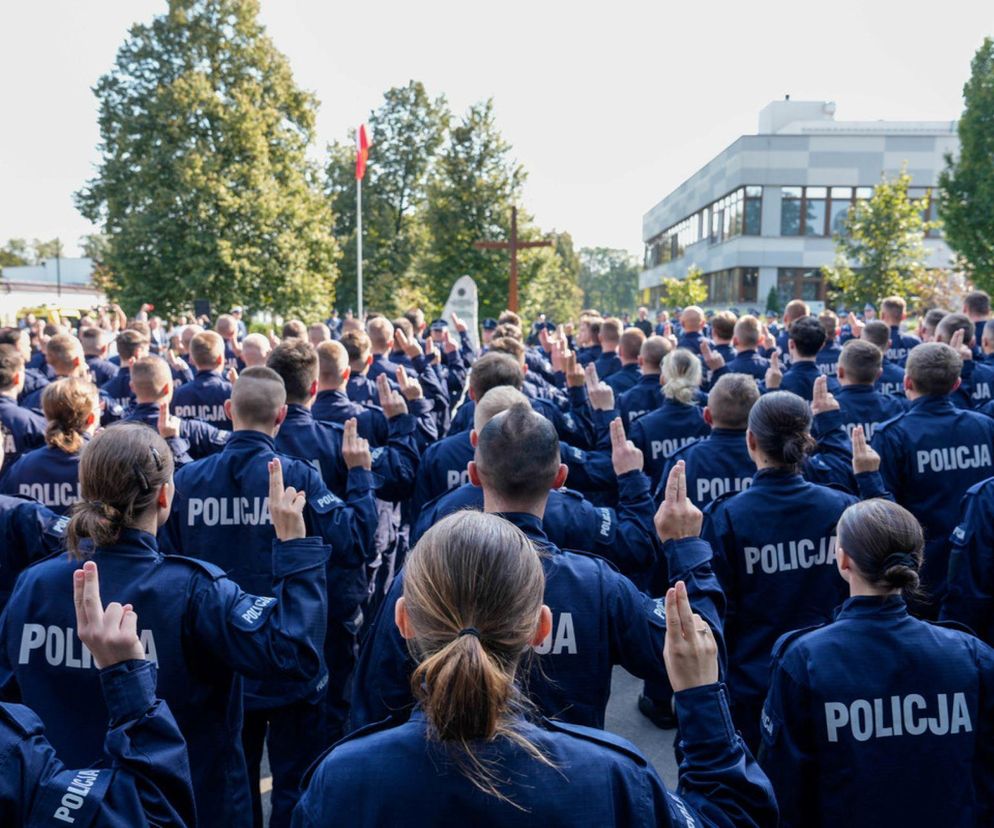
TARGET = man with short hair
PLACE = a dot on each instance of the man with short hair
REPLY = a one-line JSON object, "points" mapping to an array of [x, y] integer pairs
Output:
{"points": [[64, 355], [828, 356], [20, 339], [131, 346], [795, 309], [804, 340], [891, 379], [647, 394], [692, 325], [95, 353], [745, 341], [977, 307], [977, 386], [643, 323], [255, 350], [629, 349], [227, 328], [932, 454], [929, 322], [220, 509], [318, 333], [22, 429], [893, 311], [860, 402], [204, 397], [609, 338]]}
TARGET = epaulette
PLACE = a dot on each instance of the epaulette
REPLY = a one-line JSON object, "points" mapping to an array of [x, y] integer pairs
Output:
{"points": [[393, 720], [585, 554], [213, 572], [598, 737], [573, 494], [710, 507], [953, 625], [788, 638], [22, 720]]}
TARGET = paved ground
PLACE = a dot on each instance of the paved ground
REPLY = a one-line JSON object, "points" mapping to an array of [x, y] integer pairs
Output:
{"points": [[624, 719]]}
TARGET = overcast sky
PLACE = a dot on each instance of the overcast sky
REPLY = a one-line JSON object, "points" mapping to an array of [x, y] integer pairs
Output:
{"points": [[609, 106]]}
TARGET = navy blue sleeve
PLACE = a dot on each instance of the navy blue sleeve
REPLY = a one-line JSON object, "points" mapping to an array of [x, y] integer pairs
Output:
{"points": [[146, 775], [589, 471], [719, 778], [690, 560], [396, 463], [626, 535], [204, 438], [970, 596], [260, 635], [349, 528]]}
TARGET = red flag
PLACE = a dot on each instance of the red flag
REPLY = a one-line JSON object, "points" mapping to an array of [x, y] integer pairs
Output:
{"points": [[362, 153]]}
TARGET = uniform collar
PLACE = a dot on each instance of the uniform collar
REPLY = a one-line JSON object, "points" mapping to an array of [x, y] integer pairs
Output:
{"points": [[248, 439], [805, 365], [727, 434], [933, 403], [776, 477], [649, 379], [206, 374], [333, 394], [856, 389], [873, 606], [5, 400], [143, 411], [132, 542], [531, 526], [748, 352]]}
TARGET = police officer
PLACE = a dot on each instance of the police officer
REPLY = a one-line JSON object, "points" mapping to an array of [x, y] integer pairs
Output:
{"points": [[977, 378], [588, 339], [647, 394], [863, 705], [774, 547], [609, 338], [859, 400], [932, 454], [152, 385], [220, 510], [970, 595], [146, 775], [50, 474], [21, 429], [827, 358], [795, 309], [804, 341], [197, 625], [678, 421], [131, 345], [893, 311], [891, 380], [204, 397], [65, 357], [599, 617], [472, 604], [692, 324], [95, 352], [746, 341], [21, 341]]}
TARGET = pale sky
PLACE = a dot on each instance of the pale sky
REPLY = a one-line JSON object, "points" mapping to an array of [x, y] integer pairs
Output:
{"points": [[609, 106]]}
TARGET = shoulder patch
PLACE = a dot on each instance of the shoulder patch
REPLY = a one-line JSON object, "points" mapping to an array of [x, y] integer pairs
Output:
{"points": [[210, 570], [597, 737], [22, 720], [251, 611]]}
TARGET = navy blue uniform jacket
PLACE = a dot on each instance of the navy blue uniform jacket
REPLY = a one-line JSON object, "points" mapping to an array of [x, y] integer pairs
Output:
{"points": [[970, 597], [645, 396], [667, 429], [203, 399], [48, 475]]}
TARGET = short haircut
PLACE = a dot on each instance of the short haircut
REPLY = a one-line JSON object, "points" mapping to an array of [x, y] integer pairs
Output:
{"points": [[893, 307], [723, 324], [494, 369], [61, 351], [130, 344], [92, 340], [953, 322], [933, 318], [149, 376], [933, 368], [747, 332], [595, 327], [293, 329], [808, 336], [258, 396], [507, 329], [358, 347], [141, 326], [631, 343], [861, 360], [978, 302], [380, 332], [296, 363], [226, 323], [830, 322], [610, 330], [493, 402], [333, 359], [318, 332], [405, 325], [796, 309], [11, 362], [416, 317], [877, 333], [509, 316], [207, 350], [653, 350], [517, 454], [255, 349], [11, 336], [731, 399], [508, 345]]}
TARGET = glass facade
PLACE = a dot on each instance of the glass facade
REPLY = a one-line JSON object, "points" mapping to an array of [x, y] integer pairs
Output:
{"points": [[736, 285], [817, 211], [800, 283]]}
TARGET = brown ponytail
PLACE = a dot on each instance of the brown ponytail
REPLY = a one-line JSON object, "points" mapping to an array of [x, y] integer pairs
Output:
{"points": [[885, 542], [67, 404], [473, 589], [120, 473]]}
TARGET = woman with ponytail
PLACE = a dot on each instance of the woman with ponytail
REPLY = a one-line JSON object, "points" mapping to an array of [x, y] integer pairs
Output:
{"points": [[200, 629], [50, 474], [879, 718], [473, 753], [774, 548]]}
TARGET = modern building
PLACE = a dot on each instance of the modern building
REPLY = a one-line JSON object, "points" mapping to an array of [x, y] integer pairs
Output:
{"points": [[763, 212]]}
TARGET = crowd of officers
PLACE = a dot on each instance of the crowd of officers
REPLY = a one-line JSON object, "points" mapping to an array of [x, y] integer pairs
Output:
{"points": [[405, 566]]}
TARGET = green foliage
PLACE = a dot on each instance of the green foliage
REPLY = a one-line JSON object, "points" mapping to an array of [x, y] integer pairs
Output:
{"points": [[882, 251], [609, 279], [554, 287], [203, 188], [471, 190], [966, 206], [690, 290], [407, 131], [15, 253], [773, 300]]}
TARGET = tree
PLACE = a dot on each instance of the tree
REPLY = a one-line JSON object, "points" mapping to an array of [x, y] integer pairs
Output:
{"points": [[882, 250], [554, 287], [690, 290], [773, 300], [15, 253], [966, 206], [203, 187], [609, 279], [470, 193], [407, 130]]}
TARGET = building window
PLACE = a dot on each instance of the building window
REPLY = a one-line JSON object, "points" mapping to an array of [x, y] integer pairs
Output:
{"points": [[800, 283], [749, 291], [733, 286], [790, 211], [838, 210], [753, 211], [814, 210]]}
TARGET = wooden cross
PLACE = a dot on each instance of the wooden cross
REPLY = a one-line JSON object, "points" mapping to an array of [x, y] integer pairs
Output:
{"points": [[514, 245]]}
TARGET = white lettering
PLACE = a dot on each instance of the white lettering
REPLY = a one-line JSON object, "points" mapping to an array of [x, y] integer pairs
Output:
{"points": [[232, 511], [866, 719], [565, 638], [953, 458]]}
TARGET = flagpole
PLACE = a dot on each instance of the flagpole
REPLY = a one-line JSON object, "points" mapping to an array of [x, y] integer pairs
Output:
{"points": [[358, 245]]}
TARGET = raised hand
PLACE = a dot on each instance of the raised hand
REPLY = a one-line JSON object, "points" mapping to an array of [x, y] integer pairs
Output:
{"points": [[169, 424], [410, 388], [449, 345], [822, 399], [677, 517], [575, 376], [712, 359], [855, 325], [864, 458], [774, 375], [625, 456], [411, 347], [690, 652], [460, 326], [232, 373], [600, 393], [392, 402], [956, 343], [429, 348], [111, 633], [286, 505], [355, 450]]}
